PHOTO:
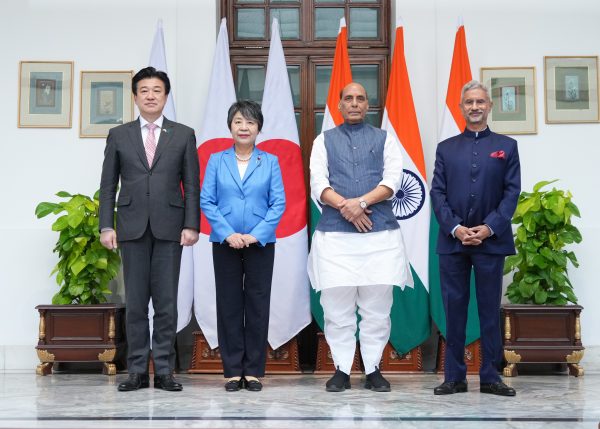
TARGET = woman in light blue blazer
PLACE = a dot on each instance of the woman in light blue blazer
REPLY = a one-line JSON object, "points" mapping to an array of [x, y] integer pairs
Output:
{"points": [[243, 199]]}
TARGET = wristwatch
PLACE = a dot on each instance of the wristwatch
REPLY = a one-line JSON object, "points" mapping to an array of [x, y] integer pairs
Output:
{"points": [[362, 203]]}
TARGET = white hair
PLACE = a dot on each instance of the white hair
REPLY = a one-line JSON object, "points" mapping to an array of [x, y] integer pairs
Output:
{"points": [[475, 84]]}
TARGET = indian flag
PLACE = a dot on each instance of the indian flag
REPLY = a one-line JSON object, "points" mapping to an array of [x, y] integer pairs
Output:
{"points": [[341, 75], [453, 124], [410, 311]]}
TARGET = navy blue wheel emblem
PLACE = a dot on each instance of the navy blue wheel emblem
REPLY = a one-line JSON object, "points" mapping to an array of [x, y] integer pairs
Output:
{"points": [[410, 197]]}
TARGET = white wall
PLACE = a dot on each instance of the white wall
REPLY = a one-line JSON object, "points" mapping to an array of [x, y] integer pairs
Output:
{"points": [[117, 35]]}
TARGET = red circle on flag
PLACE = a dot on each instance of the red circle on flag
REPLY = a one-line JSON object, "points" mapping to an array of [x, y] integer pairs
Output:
{"points": [[290, 161], [205, 150]]}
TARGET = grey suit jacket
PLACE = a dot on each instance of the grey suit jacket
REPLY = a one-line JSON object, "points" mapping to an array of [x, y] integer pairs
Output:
{"points": [[150, 194]]}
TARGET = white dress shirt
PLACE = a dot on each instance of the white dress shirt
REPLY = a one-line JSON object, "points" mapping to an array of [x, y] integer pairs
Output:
{"points": [[157, 130]]}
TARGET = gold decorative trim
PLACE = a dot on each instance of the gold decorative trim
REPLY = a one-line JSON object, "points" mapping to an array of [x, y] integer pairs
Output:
{"points": [[111, 327], [511, 356], [45, 356], [43, 368], [509, 369], [575, 370], [577, 328], [281, 353], [507, 328], [42, 329], [110, 368], [107, 355], [574, 357]]}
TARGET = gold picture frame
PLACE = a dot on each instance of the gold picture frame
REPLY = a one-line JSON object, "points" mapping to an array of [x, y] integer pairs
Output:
{"points": [[45, 94], [106, 102], [571, 89], [513, 95]]}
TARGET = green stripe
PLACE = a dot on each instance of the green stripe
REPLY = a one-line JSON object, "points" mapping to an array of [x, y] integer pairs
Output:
{"points": [[410, 316], [315, 297]]}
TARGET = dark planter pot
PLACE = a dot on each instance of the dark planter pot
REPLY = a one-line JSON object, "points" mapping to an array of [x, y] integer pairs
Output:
{"points": [[81, 333], [542, 334]]}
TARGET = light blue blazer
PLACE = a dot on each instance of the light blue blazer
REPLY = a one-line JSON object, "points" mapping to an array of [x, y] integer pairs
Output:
{"points": [[252, 205]]}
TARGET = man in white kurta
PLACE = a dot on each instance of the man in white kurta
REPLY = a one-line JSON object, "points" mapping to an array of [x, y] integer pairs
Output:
{"points": [[357, 252]]}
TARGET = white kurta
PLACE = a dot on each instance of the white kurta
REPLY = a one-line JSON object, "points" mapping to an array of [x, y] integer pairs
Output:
{"points": [[357, 259]]}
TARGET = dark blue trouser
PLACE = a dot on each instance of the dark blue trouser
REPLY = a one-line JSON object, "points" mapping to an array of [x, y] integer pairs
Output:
{"points": [[455, 274], [243, 288]]}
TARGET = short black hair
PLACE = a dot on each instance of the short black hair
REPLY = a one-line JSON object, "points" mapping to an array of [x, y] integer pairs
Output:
{"points": [[148, 73], [248, 109]]}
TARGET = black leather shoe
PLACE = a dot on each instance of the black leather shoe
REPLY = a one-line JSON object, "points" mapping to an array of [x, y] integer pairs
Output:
{"points": [[339, 382], [134, 382], [167, 382], [253, 385], [376, 382], [498, 388], [450, 387], [234, 385]]}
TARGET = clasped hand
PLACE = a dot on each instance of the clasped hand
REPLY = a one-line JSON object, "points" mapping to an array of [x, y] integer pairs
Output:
{"points": [[472, 236], [351, 210], [239, 241]]}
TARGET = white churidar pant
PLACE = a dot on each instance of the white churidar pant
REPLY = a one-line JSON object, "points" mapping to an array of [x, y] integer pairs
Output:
{"points": [[339, 307]]}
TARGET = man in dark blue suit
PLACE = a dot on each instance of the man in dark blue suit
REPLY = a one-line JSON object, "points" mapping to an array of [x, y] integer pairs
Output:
{"points": [[476, 185]]}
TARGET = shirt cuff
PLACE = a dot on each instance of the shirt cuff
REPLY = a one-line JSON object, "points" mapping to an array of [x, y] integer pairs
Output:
{"points": [[454, 230], [106, 229], [490, 228], [318, 190], [389, 184]]}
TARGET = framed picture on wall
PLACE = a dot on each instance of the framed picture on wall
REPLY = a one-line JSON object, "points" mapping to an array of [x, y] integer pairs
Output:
{"points": [[513, 97], [45, 94], [571, 89], [106, 101]]}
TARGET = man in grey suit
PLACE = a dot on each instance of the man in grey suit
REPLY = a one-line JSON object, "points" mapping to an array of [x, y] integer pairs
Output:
{"points": [[153, 158]]}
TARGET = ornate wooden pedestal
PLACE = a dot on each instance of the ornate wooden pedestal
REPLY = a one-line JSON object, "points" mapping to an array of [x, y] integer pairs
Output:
{"points": [[205, 360], [472, 356], [542, 334], [394, 362], [81, 333], [391, 361]]}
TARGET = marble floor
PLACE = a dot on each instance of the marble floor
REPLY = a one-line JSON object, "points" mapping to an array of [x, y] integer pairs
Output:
{"points": [[92, 401]]}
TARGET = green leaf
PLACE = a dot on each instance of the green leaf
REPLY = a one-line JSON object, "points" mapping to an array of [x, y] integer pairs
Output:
{"points": [[81, 240], [59, 299], [571, 296], [526, 289], [76, 289], [540, 185], [75, 218], [45, 208], [60, 223], [63, 194], [101, 263], [78, 265], [539, 261], [574, 209], [540, 296]]}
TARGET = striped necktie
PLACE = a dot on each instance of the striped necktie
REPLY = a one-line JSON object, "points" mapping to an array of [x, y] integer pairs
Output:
{"points": [[150, 143]]}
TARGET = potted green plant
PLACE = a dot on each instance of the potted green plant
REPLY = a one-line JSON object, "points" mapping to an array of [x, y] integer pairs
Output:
{"points": [[80, 326], [539, 324]]}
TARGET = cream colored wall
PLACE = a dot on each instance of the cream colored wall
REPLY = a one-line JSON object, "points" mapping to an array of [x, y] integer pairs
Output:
{"points": [[117, 35]]}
